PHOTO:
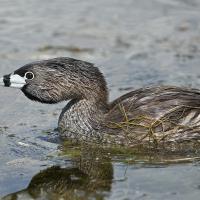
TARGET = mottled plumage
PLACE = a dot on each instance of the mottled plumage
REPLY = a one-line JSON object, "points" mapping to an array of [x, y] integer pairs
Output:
{"points": [[155, 114]]}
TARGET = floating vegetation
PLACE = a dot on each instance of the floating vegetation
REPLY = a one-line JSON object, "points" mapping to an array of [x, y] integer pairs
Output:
{"points": [[70, 149], [126, 89], [3, 129], [127, 155], [167, 130], [73, 49]]}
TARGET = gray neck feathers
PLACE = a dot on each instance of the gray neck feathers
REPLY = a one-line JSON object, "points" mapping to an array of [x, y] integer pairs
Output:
{"points": [[82, 119]]}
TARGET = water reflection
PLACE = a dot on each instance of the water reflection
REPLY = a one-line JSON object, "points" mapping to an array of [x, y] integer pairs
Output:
{"points": [[90, 172], [90, 176]]}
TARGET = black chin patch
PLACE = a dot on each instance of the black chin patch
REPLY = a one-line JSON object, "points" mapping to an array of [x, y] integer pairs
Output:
{"points": [[35, 98], [6, 80]]}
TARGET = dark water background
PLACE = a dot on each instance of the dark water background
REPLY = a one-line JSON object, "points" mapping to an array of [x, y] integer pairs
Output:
{"points": [[135, 43]]}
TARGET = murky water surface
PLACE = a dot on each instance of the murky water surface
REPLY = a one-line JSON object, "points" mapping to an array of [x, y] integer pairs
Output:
{"points": [[135, 43]]}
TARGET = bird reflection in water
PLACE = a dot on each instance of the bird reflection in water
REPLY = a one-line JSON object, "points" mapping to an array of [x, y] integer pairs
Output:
{"points": [[90, 177]]}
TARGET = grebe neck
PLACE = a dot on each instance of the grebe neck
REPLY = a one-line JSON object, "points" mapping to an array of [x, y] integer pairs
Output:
{"points": [[82, 118]]}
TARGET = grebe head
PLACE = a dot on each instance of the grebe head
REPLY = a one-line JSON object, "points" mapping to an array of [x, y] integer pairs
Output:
{"points": [[55, 80]]}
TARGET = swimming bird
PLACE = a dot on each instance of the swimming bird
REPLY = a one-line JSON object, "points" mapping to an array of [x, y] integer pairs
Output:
{"points": [[153, 114]]}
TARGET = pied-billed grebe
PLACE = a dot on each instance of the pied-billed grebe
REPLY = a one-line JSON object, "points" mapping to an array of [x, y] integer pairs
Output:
{"points": [[154, 114]]}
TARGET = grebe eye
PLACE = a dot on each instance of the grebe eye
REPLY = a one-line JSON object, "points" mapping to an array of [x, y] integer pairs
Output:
{"points": [[29, 75]]}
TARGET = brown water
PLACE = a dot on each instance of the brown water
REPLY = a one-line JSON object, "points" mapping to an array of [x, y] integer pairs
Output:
{"points": [[135, 43]]}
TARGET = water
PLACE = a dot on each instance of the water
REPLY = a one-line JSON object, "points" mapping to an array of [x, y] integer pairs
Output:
{"points": [[135, 43]]}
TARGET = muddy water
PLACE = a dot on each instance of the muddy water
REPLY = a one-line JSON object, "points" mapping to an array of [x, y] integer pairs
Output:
{"points": [[135, 43]]}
